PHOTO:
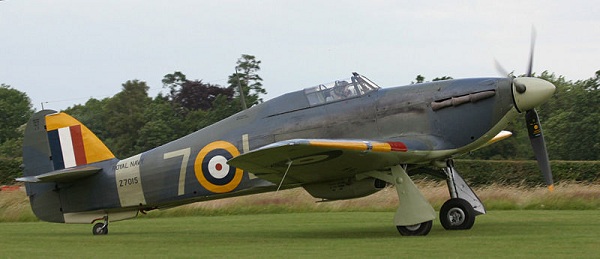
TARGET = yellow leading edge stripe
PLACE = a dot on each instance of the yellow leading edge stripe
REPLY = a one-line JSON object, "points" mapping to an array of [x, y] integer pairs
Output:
{"points": [[360, 146], [382, 147], [353, 145]]}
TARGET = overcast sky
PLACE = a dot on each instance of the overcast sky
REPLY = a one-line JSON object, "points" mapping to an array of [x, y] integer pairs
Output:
{"points": [[63, 52]]}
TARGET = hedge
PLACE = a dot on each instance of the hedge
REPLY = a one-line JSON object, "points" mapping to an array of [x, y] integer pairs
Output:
{"points": [[484, 172], [475, 172]]}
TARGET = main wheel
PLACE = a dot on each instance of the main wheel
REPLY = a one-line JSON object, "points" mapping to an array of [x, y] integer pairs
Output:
{"points": [[421, 229], [456, 214], [100, 229]]}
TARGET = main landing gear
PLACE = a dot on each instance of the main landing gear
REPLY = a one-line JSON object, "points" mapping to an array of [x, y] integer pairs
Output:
{"points": [[457, 213], [420, 229], [460, 210], [415, 215], [101, 228]]}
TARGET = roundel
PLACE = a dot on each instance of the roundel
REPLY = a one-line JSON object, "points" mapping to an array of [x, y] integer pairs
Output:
{"points": [[212, 170]]}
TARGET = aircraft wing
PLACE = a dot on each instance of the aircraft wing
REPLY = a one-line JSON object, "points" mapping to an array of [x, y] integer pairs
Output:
{"points": [[315, 160]]}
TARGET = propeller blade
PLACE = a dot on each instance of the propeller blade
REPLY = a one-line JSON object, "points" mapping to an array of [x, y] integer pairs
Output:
{"points": [[531, 51], [500, 69], [534, 128]]}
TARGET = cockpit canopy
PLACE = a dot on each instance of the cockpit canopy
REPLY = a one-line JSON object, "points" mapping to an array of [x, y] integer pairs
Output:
{"points": [[354, 86]]}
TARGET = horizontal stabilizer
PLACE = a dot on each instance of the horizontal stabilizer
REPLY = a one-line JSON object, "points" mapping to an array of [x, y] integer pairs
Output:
{"points": [[64, 175]]}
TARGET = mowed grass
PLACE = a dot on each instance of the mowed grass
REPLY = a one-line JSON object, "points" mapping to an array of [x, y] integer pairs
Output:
{"points": [[521, 222], [513, 233], [14, 206]]}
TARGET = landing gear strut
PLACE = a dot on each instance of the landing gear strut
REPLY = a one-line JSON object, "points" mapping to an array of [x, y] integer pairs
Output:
{"points": [[101, 228], [459, 212], [415, 215]]}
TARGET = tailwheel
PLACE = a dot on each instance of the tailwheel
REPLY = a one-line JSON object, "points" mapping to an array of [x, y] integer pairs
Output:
{"points": [[100, 229], [456, 214], [421, 229]]}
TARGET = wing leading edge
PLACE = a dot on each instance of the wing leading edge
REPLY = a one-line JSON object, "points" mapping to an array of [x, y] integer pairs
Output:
{"points": [[314, 160]]}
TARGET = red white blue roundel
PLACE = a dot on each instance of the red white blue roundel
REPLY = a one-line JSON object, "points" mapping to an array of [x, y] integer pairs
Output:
{"points": [[212, 170]]}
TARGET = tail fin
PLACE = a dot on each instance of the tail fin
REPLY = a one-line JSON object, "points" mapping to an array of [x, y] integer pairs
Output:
{"points": [[55, 141], [72, 143]]}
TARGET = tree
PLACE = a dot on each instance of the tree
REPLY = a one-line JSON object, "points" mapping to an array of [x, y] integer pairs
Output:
{"points": [[572, 119], [419, 79], [246, 76], [163, 124], [125, 116], [93, 115], [222, 108], [15, 107], [442, 78], [172, 81], [193, 95]]}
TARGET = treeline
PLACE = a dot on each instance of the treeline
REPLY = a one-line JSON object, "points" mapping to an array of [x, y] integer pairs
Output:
{"points": [[131, 122], [15, 110]]}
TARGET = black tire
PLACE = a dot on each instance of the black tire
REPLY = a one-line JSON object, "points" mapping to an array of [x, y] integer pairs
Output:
{"points": [[421, 229], [100, 229], [457, 214]]}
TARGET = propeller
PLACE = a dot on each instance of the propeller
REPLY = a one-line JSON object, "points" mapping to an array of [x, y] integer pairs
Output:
{"points": [[531, 51], [534, 128], [536, 137], [531, 92]]}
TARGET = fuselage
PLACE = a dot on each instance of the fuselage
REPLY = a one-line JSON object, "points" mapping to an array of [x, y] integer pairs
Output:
{"points": [[447, 117], [434, 121]]}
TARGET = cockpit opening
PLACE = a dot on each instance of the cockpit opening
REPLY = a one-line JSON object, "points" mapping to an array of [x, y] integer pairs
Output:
{"points": [[354, 86]]}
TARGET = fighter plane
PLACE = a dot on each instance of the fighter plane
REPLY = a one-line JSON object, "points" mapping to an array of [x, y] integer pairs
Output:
{"points": [[342, 140]]}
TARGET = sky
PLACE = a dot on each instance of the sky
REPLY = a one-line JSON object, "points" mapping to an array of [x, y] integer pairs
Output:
{"points": [[64, 52]]}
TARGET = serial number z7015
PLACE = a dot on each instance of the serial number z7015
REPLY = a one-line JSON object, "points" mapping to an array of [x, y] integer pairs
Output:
{"points": [[128, 181]]}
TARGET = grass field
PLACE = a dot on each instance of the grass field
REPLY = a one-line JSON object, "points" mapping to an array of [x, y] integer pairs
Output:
{"points": [[521, 222], [515, 233], [14, 206]]}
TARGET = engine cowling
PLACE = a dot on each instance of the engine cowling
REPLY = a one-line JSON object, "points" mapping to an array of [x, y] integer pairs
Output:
{"points": [[345, 188]]}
